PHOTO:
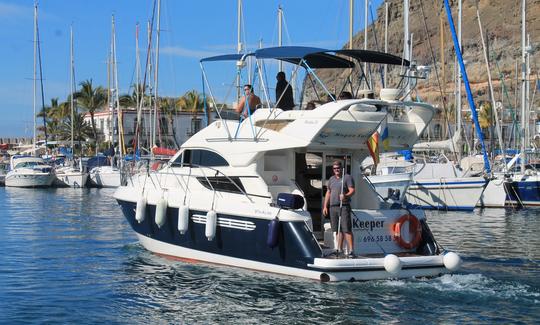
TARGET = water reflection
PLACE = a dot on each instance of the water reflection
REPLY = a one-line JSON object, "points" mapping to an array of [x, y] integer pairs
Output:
{"points": [[70, 257]]}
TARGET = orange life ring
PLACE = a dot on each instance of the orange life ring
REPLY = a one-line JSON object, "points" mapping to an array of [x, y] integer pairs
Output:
{"points": [[415, 229]]}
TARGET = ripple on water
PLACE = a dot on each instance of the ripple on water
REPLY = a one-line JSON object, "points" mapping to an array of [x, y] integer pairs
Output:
{"points": [[70, 257]]}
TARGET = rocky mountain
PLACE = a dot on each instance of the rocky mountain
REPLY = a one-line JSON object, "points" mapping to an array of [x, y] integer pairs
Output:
{"points": [[501, 20]]}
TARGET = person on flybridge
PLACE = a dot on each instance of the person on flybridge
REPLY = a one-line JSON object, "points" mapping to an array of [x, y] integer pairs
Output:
{"points": [[340, 188], [284, 93], [253, 101]]}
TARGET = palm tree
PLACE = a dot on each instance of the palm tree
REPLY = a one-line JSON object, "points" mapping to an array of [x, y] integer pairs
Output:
{"points": [[191, 101], [485, 115], [91, 99], [52, 129], [130, 100], [82, 130], [58, 111], [169, 108], [54, 114]]}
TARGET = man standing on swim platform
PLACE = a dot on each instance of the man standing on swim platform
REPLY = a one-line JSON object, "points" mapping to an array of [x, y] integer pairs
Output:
{"points": [[340, 188]]}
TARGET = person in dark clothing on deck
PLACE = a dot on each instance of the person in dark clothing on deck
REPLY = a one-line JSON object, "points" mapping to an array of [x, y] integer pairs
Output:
{"points": [[337, 205], [284, 93]]}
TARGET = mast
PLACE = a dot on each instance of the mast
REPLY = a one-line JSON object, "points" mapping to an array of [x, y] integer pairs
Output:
{"points": [[156, 69], [528, 92], [406, 42], [238, 43], [71, 82], [472, 105], [35, 77], [41, 82], [443, 59], [138, 88], [110, 101], [366, 3], [351, 22], [116, 97], [458, 76], [491, 92], [280, 33], [385, 40], [149, 67], [523, 84]]}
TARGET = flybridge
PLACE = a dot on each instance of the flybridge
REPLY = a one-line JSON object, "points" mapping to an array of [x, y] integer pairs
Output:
{"points": [[311, 59]]}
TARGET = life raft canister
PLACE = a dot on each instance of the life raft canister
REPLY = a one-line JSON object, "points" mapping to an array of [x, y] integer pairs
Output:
{"points": [[415, 230]]}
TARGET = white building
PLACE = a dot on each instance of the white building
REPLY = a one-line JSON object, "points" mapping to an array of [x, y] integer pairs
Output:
{"points": [[184, 125]]}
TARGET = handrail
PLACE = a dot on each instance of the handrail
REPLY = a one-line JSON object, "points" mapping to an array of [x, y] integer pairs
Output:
{"points": [[217, 171]]}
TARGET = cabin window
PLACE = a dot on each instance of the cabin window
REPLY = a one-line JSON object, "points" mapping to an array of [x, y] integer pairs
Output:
{"points": [[223, 184], [199, 157]]}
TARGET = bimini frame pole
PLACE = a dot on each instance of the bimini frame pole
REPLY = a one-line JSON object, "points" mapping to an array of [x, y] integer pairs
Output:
{"points": [[310, 71], [205, 82]]}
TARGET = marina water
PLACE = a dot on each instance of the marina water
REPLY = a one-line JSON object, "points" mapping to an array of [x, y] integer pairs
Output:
{"points": [[68, 256]]}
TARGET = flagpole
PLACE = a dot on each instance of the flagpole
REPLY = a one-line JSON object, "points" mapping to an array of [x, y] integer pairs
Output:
{"points": [[339, 235]]}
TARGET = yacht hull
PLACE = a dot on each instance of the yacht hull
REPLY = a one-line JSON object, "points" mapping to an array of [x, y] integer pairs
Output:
{"points": [[29, 180], [74, 179], [524, 190], [105, 176], [494, 196], [242, 242], [446, 193]]}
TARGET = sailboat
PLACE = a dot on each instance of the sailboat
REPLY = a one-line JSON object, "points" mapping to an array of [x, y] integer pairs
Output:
{"points": [[111, 176], [524, 187], [31, 171], [438, 183], [72, 176]]}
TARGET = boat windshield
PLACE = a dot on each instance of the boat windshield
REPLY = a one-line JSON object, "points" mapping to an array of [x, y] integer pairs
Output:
{"points": [[28, 164]]}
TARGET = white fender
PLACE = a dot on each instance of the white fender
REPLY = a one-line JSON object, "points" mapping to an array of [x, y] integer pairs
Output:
{"points": [[183, 219], [140, 212], [161, 212], [452, 261], [392, 264], [211, 221]]}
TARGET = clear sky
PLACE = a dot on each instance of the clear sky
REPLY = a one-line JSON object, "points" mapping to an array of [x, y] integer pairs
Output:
{"points": [[190, 30]]}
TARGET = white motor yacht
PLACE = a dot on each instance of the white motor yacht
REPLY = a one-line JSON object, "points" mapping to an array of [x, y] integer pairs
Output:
{"points": [[29, 172], [237, 194]]}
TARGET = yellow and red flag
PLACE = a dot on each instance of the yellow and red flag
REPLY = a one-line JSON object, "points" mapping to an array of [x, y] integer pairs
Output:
{"points": [[378, 138], [373, 146]]}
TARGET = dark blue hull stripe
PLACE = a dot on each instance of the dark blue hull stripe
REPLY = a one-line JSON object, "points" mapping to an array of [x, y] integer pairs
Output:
{"points": [[448, 183], [441, 207], [296, 246], [523, 191]]}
